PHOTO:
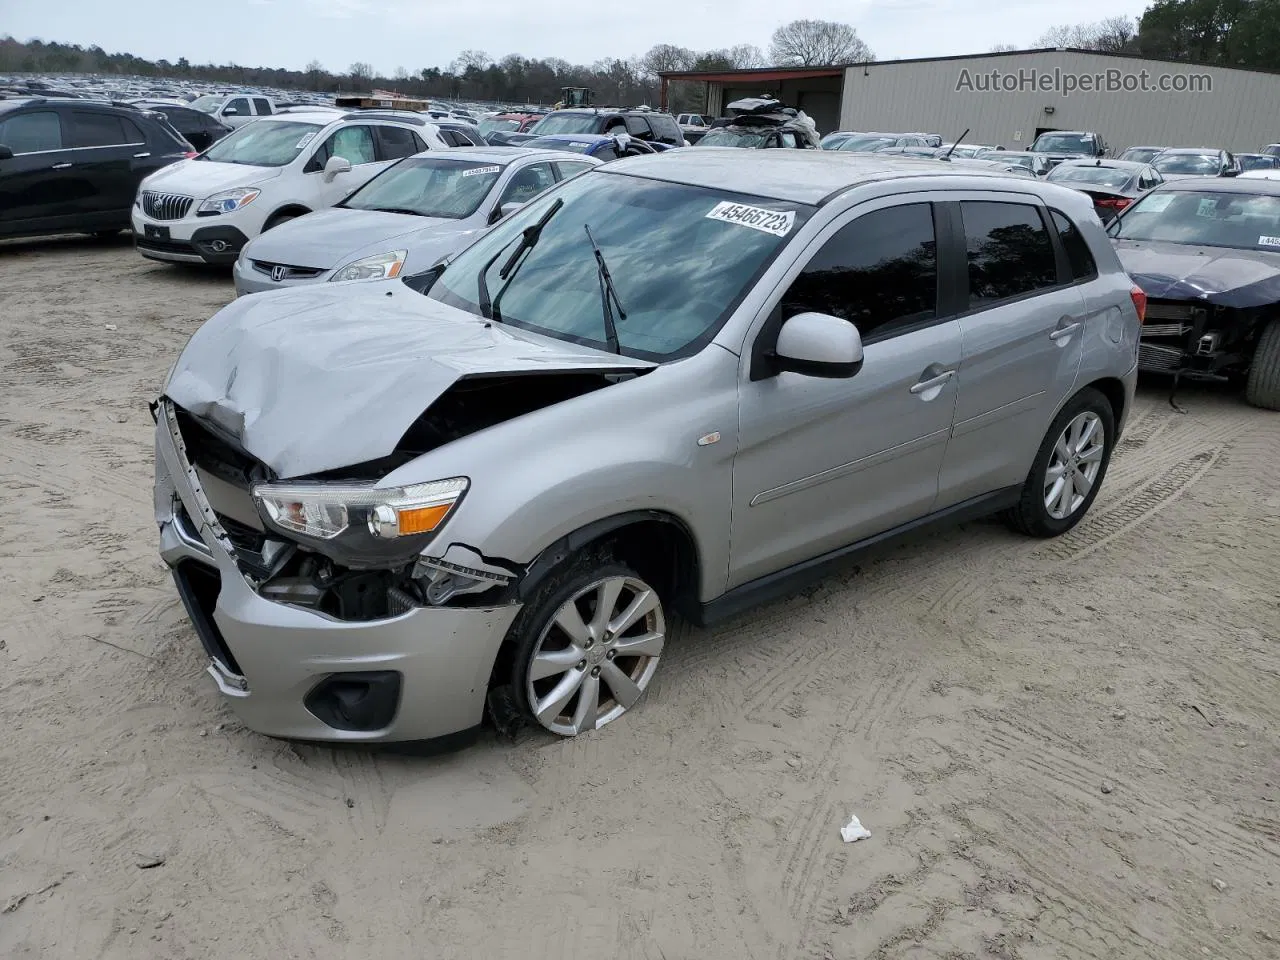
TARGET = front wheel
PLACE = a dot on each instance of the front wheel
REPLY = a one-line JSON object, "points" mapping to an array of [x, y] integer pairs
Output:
{"points": [[588, 647], [1068, 469], [1263, 386]]}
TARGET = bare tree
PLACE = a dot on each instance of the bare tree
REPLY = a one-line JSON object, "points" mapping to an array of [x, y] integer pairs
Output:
{"points": [[1003, 48], [1116, 34], [361, 73], [813, 43], [747, 56], [1112, 35], [667, 57], [469, 60]]}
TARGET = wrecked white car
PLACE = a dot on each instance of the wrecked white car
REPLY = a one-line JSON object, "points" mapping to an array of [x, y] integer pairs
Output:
{"points": [[386, 503]]}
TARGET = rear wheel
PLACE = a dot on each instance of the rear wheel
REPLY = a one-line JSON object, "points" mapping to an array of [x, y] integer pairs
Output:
{"points": [[1263, 386], [588, 647], [1068, 469]]}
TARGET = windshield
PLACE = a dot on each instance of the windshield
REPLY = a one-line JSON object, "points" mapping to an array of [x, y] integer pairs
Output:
{"points": [[264, 143], [1102, 176], [208, 103], [566, 123], [731, 137], [493, 125], [1064, 143], [681, 259], [1003, 157], [1140, 154], [428, 187], [1203, 163], [1217, 219], [867, 144]]}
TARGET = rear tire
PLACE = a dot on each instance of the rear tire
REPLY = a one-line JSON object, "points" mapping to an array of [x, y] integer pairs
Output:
{"points": [[1263, 386], [1068, 470]]}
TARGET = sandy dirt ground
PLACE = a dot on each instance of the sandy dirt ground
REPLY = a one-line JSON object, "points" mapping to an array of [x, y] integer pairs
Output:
{"points": [[1065, 749]]}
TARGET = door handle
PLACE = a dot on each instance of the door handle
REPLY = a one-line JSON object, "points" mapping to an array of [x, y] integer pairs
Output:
{"points": [[61, 166], [1065, 331], [139, 156], [926, 385]]}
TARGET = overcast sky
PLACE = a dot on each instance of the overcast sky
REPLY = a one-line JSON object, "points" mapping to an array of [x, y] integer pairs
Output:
{"points": [[418, 33]]}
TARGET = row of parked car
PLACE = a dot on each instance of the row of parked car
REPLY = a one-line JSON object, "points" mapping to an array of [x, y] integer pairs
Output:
{"points": [[389, 481]]}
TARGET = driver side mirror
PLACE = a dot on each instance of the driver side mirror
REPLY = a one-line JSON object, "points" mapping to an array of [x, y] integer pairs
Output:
{"points": [[5, 153], [819, 345], [231, 112], [334, 166], [504, 211]]}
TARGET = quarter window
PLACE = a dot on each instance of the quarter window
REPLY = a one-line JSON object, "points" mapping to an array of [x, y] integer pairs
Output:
{"points": [[32, 132], [1078, 255], [638, 127], [879, 272], [1010, 253], [568, 169]]}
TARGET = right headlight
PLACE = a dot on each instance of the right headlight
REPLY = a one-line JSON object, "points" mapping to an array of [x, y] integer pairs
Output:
{"points": [[228, 201], [359, 524], [381, 266]]}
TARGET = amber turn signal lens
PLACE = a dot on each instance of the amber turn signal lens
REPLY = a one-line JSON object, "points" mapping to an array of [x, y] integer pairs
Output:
{"points": [[422, 519]]}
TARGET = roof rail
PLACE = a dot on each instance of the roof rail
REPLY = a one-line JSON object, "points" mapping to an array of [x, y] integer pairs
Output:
{"points": [[404, 116]]}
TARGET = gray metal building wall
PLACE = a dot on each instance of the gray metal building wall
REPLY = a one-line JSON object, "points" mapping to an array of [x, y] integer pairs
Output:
{"points": [[1241, 113]]}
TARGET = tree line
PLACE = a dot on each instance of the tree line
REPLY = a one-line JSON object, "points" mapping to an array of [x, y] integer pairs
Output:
{"points": [[1229, 33], [473, 74]]}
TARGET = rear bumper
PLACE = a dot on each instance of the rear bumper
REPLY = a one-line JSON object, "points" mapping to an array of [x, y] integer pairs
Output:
{"points": [[271, 660]]}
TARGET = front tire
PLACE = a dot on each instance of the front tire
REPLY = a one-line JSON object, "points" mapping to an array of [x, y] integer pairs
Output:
{"points": [[1263, 386], [1068, 469], [587, 646]]}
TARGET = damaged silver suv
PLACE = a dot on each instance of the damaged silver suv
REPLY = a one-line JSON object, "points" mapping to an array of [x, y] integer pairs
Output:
{"points": [[677, 384]]}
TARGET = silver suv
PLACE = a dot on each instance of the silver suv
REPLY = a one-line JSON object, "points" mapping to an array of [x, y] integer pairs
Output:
{"points": [[682, 383]]}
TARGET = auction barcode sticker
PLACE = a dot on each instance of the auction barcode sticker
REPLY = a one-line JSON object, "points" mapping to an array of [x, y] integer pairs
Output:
{"points": [[474, 171], [775, 222], [1269, 241]]}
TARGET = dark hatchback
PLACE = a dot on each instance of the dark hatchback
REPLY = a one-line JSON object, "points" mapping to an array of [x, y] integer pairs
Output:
{"points": [[1207, 253], [73, 166]]}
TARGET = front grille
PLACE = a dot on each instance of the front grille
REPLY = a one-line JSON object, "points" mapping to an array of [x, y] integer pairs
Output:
{"points": [[1165, 329], [285, 271], [1152, 357], [165, 206]]}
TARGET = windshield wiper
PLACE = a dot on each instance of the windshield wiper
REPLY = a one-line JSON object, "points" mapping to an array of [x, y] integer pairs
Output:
{"points": [[608, 295], [528, 239], [412, 213]]}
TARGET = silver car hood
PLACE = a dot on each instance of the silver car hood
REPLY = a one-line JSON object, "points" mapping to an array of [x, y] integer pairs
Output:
{"points": [[334, 237], [313, 379]]}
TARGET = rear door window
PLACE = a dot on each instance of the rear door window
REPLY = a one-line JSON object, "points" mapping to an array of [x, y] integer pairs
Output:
{"points": [[666, 129], [638, 126], [396, 142], [788, 139], [528, 183], [353, 144], [34, 132], [263, 106], [92, 129], [879, 272], [1009, 251]]}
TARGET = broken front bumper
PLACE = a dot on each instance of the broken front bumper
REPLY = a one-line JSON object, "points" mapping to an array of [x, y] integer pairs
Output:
{"points": [[291, 672]]}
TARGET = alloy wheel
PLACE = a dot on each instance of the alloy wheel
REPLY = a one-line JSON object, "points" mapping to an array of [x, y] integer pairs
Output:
{"points": [[596, 655], [1074, 465]]}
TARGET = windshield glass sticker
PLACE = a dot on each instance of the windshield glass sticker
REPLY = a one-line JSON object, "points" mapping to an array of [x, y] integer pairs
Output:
{"points": [[1269, 241], [478, 170], [306, 138], [775, 222], [1207, 207]]}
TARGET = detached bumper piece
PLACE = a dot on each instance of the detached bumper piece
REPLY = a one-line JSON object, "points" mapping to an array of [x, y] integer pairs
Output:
{"points": [[213, 245]]}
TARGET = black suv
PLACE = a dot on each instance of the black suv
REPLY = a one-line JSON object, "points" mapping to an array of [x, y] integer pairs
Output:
{"points": [[641, 124], [73, 166], [198, 128]]}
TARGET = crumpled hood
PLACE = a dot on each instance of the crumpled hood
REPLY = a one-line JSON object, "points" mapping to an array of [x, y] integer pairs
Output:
{"points": [[1219, 275], [203, 178], [333, 238], [312, 379]]}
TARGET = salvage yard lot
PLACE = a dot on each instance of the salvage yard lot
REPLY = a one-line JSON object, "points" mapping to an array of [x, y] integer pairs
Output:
{"points": [[1063, 749]]}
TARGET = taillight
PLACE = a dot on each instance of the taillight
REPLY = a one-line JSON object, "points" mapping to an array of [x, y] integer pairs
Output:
{"points": [[1117, 204], [191, 154], [1139, 298]]}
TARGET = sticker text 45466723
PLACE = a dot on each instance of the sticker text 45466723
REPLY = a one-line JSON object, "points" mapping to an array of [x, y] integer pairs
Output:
{"points": [[775, 222]]}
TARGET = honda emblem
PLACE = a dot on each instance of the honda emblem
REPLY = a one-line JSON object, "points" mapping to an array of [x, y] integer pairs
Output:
{"points": [[277, 274]]}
